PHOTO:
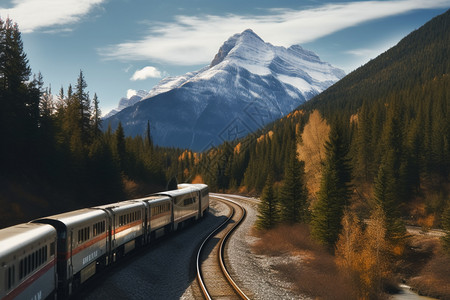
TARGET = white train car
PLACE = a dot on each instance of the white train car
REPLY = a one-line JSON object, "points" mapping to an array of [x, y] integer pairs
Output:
{"points": [[128, 224], [158, 216], [27, 261], [203, 193], [186, 205], [82, 243], [204, 196]]}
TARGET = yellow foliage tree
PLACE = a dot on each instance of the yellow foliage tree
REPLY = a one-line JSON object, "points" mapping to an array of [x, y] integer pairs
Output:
{"points": [[311, 150], [363, 255]]}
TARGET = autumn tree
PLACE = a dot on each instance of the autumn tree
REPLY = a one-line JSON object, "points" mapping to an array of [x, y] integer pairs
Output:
{"points": [[362, 255], [349, 248], [311, 149]]}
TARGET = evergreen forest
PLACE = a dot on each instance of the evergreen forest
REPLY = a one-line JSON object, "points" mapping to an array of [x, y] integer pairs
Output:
{"points": [[54, 155]]}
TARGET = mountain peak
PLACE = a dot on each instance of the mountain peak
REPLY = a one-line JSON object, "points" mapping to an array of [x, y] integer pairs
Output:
{"points": [[247, 36], [248, 83]]}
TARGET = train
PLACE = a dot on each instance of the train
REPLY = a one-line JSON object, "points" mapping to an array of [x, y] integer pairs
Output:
{"points": [[51, 257]]}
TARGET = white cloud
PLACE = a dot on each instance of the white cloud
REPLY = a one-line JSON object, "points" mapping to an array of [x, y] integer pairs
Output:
{"points": [[146, 72], [131, 93], [32, 15], [192, 40]]}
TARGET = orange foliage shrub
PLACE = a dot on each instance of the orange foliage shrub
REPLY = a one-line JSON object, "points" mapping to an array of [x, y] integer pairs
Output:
{"points": [[198, 179]]}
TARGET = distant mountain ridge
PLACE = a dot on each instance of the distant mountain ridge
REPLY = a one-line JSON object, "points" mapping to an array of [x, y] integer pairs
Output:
{"points": [[248, 84]]}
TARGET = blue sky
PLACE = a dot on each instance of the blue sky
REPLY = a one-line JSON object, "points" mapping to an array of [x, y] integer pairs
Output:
{"points": [[126, 45]]}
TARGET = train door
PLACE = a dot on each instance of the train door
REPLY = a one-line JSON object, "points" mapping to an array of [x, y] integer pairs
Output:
{"points": [[109, 233], [200, 201], [70, 270], [146, 222]]}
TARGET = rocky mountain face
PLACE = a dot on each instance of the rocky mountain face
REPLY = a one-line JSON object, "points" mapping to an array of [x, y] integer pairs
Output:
{"points": [[248, 84]]}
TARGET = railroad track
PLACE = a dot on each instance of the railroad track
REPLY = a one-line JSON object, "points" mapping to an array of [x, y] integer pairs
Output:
{"points": [[212, 275]]}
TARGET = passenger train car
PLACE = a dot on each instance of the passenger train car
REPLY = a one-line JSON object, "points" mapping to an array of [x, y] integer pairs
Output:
{"points": [[53, 256], [27, 261]]}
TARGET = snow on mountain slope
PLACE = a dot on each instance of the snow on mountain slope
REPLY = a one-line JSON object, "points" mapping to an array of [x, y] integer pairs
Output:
{"points": [[248, 84]]}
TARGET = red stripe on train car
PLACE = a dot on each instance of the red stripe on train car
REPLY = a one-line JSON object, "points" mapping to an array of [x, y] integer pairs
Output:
{"points": [[24, 285], [128, 226]]}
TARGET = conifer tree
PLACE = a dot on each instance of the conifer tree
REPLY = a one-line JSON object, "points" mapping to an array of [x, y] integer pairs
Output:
{"points": [[268, 213], [384, 194], [334, 192], [120, 149], [19, 99], [293, 193], [84, 105], [96, 117]]}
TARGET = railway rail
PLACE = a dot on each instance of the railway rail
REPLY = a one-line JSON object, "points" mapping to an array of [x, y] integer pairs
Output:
{"points": [[212, 274]]}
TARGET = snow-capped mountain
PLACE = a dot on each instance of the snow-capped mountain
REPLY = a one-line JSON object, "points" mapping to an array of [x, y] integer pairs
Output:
{"points": [[248, 84], [126, 102]]}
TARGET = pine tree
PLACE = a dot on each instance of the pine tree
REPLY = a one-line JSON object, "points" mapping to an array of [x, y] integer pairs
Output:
{"points": [[384, 194], [268, 213], [148, 135], [19, 100], [84, 106], [120, 149], [293, 193], [96, 117], [335, 190]]}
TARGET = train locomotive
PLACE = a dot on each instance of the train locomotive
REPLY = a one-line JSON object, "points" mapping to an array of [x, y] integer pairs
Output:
{"points": [[52, 257]]}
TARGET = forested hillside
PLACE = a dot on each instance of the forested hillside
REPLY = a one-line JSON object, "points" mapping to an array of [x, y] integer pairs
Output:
{"points": [[392, 115], [53, 155]]}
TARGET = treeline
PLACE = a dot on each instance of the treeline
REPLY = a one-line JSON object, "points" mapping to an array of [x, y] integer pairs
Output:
{"points": [[54, 155]]}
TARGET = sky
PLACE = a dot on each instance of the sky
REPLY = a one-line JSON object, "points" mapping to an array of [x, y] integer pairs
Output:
{"points": [[127, 45]]}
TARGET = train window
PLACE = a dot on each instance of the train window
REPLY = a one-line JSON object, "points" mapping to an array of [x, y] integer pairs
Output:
{"points": [[32, 262], [11, 276], [188, 201], [98, 228]]}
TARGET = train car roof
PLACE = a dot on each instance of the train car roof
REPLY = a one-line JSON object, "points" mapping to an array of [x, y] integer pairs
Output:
{"points": [[16, 237], [72, 218], [179, 192], [192, 185], [120, 205], [153, 199]]}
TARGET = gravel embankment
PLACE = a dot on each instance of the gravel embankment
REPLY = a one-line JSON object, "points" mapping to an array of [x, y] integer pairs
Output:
{"points": [[256, 274]]}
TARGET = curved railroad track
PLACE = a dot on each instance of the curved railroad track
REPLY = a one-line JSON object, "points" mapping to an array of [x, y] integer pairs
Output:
{"points": [[212, 275]]}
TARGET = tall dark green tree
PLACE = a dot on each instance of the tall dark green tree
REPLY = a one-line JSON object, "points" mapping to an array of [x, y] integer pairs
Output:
{"points": [[120, 147], [335, 190], [84, 106], [268, 212], [19, 100], [293, 194], [384, 194], [96, 117]]}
